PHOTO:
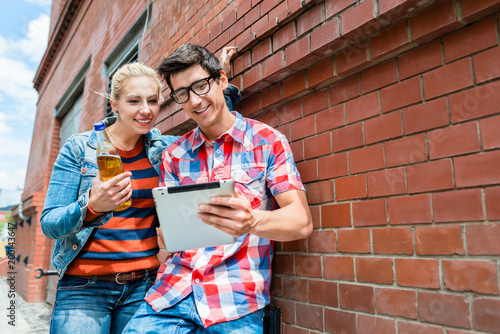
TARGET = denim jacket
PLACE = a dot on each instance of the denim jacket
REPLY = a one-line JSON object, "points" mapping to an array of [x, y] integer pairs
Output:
{"points": [[72, 177], [68, 193]]}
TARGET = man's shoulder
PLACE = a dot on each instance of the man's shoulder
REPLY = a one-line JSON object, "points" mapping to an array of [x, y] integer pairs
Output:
{"points": [[260, 133]]}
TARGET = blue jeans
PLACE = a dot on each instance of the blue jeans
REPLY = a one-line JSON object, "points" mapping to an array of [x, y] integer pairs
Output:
{"points": [[93, 306], [183, 318]]}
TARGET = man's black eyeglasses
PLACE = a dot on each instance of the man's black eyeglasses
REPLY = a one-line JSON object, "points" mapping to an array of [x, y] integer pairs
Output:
{"points": [[199, 87]]}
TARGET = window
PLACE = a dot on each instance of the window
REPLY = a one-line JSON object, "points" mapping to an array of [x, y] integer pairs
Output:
{"points": [[127, 51]]}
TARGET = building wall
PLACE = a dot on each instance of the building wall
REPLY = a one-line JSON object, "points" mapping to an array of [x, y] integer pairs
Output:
{"points": [[392, 111]]}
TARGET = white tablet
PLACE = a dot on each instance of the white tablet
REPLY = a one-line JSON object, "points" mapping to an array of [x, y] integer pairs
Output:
{"points": [[177, 209]]}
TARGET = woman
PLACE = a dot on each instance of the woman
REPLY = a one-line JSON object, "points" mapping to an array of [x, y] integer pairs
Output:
{"points": [[107, 260]]}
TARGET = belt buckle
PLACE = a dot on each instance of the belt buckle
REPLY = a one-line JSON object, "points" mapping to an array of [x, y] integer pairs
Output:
{"points": [[117, 277]]}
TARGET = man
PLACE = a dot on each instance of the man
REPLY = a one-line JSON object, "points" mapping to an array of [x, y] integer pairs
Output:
{"points": [[223, 289]]}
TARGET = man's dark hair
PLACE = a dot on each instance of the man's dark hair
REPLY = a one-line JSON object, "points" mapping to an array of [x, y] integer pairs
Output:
{"points": [[186, 56]]}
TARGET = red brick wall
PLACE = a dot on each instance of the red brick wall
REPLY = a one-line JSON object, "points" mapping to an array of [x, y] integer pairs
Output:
{"points": [[392, 111]]}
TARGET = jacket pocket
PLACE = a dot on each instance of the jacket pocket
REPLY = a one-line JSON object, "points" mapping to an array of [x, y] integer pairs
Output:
{"points": [[88, 173]]}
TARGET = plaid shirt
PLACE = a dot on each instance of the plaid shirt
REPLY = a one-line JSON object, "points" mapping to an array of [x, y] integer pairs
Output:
{"points": [[229, 281]]}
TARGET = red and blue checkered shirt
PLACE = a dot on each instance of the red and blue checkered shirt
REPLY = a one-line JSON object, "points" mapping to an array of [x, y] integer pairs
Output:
{"points": [[229, 281]]}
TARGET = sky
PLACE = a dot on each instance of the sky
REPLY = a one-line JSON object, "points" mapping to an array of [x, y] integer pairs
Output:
{"points": [[24, 27]]}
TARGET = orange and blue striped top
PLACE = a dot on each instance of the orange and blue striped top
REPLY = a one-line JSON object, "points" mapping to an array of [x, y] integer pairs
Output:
{"points": [[128, 241]]}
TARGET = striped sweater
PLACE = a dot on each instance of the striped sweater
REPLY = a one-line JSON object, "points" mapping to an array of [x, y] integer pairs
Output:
{"points": [[128, 241]]}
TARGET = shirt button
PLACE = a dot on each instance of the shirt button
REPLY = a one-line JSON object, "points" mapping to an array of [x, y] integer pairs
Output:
{"points": [[216, 177], [75, 247], [197, 280]]}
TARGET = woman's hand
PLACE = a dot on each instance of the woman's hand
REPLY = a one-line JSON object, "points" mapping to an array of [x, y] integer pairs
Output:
{"points": [[107, 195], [225, 58]]}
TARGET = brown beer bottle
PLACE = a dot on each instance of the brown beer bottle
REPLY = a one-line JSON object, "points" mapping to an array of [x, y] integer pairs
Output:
{"points": [[108, 159]]}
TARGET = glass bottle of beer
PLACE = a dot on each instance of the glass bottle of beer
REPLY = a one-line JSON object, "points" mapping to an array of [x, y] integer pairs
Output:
{"points": [[108, 159]]}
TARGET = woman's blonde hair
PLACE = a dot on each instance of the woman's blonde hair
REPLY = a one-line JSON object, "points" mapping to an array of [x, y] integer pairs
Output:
{"points": [[131, 70]]}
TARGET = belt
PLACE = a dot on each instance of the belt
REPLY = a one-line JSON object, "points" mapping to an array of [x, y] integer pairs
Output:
{"points": [[122, 278]]}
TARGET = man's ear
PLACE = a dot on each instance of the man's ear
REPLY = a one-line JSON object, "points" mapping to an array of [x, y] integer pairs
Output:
{"points": [[223, 80]]}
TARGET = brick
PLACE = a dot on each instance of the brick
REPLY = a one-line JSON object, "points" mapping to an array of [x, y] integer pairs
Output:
{"points": [[250, 105], [357, 298], [460, 205], [273, 68], [308, 171], [390, 41], [412, 328], [270, 118], [352, 59], [303, 127], [420, 60], [309, 316], [383, 127], [448, 79], [485, 315], [320, 192], [386, 182], [368, 324], [429, 176], [243, 8], [289, 329], [426, 116], [479, 169], [353, 241], [444, 309], [324, 293], [455, 140], [439, 240], [415, 209], [340, 321], [332, 166], [338, 268], [390, 9], [283, 264], [366, 158], [347, 137], [271, 97], [329, 119], [284, 36], [394, 240], [290, 112], [374, 270], [490, 136], [276, 287], [417, 273], [363, 107], [298, 56], [310, 19], [350, 187], [396, 302], [454, 331], [477, 102], [485, 67], [321, 74], [322, 241], [316, 216], [295, 86], [401, 94], [293, 288], [334, 7], [369, 212], [252, 80], [476, 276], [359, 20], [465, 41], [492, 198], [433, 21], [294, 246], [406, 151], [483, 239], [287, 309], [345, 90], [325, 40], [472, 9], [318, 145], [379, 76], [336, 215], [315, 102], [309, 266]]}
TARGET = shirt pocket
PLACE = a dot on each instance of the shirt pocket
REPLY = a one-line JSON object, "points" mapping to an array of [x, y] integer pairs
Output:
{"points": [[250, 183], [88, 173]]}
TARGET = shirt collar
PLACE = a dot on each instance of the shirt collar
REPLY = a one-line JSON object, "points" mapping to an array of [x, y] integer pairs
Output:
{"points": [[236, 132]]}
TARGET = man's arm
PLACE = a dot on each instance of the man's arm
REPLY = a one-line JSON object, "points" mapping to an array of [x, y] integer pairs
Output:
{"points": [[290, 222]]}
